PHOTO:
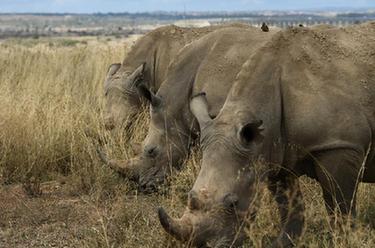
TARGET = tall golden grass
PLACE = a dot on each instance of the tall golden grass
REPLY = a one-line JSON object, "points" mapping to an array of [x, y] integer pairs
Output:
{"points": [[50, 96], [51, 105]]}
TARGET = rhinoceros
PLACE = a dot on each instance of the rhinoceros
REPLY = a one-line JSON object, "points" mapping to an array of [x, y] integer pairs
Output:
{"points": [[302, 105], [209, 64], [147, 63]]}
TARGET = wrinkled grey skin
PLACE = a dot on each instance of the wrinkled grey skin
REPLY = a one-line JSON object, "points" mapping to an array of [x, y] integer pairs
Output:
{"points": [[146, 63], [209, 64], [303, 109]]}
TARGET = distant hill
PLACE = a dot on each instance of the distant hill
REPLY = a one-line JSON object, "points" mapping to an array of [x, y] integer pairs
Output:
{"points": [[124, 24]]}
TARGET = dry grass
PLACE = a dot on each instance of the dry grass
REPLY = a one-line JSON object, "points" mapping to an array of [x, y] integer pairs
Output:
{"points": [[55, 192]]}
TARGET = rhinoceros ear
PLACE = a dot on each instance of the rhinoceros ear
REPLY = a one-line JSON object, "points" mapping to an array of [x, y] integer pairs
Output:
{"points": [[135, 78], [199, 108], [251, 132], [154, 100], [112, 69]]}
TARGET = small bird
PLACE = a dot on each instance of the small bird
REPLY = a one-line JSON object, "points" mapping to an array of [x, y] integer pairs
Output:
{"points": [[265, 27]]}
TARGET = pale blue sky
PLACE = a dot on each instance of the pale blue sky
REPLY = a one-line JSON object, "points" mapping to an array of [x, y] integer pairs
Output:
{"points": [[90, 6]]}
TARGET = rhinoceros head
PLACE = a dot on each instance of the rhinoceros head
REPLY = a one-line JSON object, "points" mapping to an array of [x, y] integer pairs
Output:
{"points": [[122, 101], [220, 198], [166, 144], [164, 148]]}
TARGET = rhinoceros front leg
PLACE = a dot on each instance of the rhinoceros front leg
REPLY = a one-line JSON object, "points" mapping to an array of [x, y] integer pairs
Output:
{"points": [[288, 196], [338, 175]]}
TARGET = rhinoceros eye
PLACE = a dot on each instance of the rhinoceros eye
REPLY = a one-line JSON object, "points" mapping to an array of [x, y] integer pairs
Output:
{"points": [[151, 151]]}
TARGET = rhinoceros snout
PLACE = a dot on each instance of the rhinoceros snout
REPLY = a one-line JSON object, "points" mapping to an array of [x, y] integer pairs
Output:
{"points": [[194, 203], [151, 178], [148, 187]]}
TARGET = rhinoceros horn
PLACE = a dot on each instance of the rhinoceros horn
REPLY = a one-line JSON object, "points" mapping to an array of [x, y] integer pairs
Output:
{"points": [[177, 228], [121, 168], [199, 108]]}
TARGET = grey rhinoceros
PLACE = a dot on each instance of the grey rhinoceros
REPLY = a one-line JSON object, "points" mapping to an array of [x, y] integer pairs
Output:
{"points": [[147, 63], [209, 64], [302, 105]]}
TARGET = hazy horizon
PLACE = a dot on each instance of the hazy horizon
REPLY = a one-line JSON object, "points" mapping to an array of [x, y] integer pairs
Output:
{"points": [[134, 6]]}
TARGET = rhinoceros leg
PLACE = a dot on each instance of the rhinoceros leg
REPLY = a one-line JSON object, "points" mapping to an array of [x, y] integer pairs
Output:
{"points": [[288, 196], [337, 173]]}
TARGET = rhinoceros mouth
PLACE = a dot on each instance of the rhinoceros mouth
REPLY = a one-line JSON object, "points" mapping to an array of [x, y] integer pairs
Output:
{"points": [[216, 226], [151, 178], [143, 171]]}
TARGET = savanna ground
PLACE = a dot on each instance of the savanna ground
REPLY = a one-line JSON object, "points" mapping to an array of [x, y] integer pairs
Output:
{"points": [[54, 192]]}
